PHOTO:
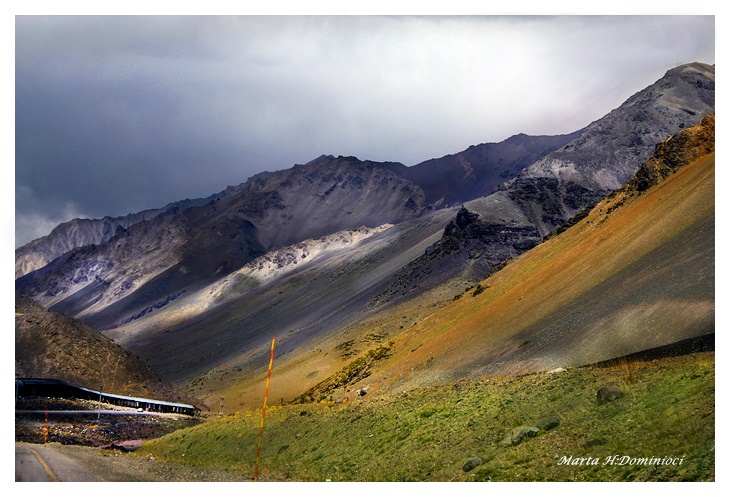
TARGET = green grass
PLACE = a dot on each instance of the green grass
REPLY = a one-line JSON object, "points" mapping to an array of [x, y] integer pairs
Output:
{"points": [[428, 434]]}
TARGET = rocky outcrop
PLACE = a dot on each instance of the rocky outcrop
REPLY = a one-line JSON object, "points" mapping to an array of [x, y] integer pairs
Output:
{"points": [[470, 248], [673, 153]]}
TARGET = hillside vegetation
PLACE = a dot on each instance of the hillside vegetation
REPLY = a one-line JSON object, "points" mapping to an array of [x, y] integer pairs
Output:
{"points": [[429, 434]]}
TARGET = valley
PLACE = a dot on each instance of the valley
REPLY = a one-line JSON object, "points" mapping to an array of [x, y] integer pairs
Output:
{"points": [[421, 313]]}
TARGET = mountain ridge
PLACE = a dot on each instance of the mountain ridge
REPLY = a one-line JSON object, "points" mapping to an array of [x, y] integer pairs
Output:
{"points": [[273, 210], [78, 233], [555, 188], [161, 263]]}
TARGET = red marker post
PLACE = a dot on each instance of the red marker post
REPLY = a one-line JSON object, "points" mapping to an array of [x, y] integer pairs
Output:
{"points": [[263, 411], [45, 428]]}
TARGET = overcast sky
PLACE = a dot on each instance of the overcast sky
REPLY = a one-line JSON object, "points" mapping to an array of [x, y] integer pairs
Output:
{"points": [[119, 114]]}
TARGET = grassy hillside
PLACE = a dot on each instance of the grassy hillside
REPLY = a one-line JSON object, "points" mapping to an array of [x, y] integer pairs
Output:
{"points": [[429, 434]]}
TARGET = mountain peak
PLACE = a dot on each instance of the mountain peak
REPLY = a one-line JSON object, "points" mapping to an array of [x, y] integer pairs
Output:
{"points": [[697, 67]]}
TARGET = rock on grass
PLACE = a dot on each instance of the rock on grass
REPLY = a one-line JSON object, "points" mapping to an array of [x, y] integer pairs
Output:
{"points": [[608, 393], [471, 463]]}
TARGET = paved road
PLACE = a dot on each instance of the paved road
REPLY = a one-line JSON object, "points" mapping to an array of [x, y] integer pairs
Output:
{"points": [[42, 463]]}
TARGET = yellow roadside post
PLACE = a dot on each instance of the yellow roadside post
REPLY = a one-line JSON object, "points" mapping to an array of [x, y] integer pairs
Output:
{"points": [[263, 411]]}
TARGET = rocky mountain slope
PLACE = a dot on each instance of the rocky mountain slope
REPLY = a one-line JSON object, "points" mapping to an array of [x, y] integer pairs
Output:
{"points": [[172, 290], [682, 307], [480, 169], [636, 272], [133, 265], [609, 151], [450, 180], [50, 345], [633, 273], [299, 300], [79, 233], [544, 195], [153, 261]]}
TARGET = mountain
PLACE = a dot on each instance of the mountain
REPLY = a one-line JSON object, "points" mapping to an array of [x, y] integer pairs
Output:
{"points": [[156, 255], [450, 180], [633, 273], [79, 233], [480, 169], [609, 151], [155, 261], [636, 272], [491, 230], [340, 255], [302, 294], [321, 344], [50, 345]]}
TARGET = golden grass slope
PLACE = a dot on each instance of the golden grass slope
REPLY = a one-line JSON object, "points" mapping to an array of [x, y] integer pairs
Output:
{"points": [[637, 272]]}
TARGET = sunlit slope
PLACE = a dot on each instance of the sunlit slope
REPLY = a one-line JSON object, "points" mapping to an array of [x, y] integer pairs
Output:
{"points": [[230, 324], [637, 272]]}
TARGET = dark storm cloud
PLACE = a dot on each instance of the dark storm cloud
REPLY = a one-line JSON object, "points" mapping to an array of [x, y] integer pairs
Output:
{"points": [[119, 114]]}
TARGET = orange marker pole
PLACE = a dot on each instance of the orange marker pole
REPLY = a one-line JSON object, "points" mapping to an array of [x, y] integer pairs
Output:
{"points": [[263, 411], [45, 429]]}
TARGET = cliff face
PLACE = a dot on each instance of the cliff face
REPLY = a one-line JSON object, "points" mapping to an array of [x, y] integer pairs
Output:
{"points": [[673, 153]]}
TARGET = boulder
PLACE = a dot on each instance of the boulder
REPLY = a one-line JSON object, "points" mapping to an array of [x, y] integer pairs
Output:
{"points": [[608, 393], [518, 434], [471, 463]]}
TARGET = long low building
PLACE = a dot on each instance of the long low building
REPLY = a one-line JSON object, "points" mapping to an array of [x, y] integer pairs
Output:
{"points": [[59, 389]]}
